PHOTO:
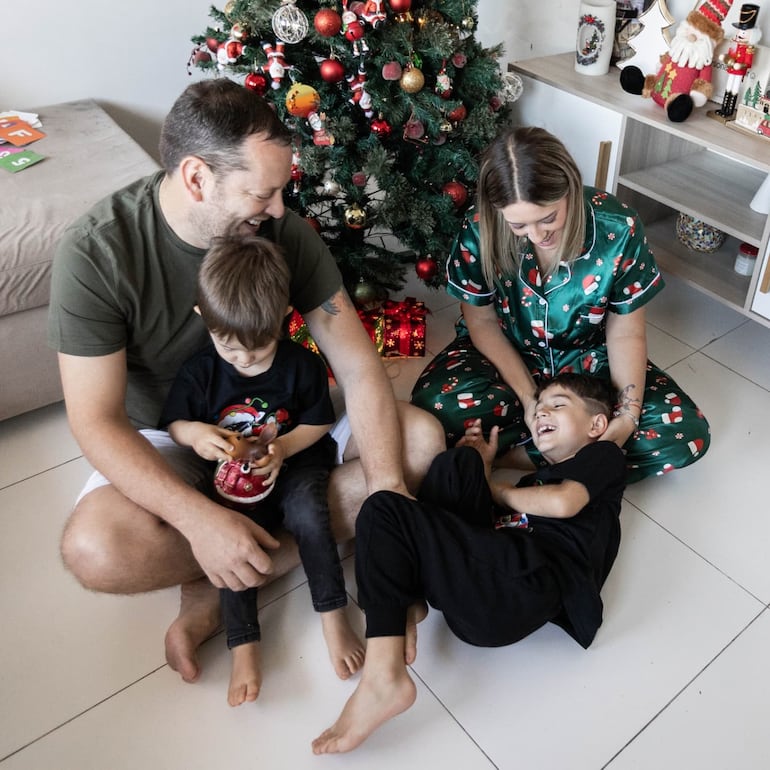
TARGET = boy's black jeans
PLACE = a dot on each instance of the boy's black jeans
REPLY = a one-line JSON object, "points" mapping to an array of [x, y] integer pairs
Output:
{"points": [[299, 503]]}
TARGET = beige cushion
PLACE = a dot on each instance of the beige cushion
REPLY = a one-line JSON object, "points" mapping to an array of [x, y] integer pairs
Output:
{"points": [[87, 156]]}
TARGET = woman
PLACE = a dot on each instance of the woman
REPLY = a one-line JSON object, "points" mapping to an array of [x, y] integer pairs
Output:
{"points": [[553, 276]]}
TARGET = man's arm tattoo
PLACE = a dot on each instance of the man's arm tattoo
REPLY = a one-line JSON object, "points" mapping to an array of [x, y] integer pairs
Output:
{"points": [[334, 304]]}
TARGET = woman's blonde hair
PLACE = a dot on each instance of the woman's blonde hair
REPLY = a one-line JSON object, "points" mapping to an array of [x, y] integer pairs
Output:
{"points": [[526, 165]]}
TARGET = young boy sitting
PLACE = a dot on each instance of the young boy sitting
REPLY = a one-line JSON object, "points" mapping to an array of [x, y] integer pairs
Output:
{"points": [[248, 380], [498, 560]]}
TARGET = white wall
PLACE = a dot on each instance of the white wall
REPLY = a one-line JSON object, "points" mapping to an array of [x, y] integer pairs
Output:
{"points": [[131, 57], [531, 28]]}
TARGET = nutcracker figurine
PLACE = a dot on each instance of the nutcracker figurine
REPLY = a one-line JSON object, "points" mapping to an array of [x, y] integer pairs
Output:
{"points": [[740, 58]]}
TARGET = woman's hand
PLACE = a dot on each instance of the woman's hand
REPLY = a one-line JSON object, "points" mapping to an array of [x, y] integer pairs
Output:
{"points": [[627, 356]]}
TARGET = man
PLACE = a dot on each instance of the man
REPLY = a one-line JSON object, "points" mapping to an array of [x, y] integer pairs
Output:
{"points": [[122, 319]]}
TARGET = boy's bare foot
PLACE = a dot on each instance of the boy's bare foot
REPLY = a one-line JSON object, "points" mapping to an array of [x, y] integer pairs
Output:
{"points": [[246, 674], [385, 690], [415, 614], [345, 648], [198, 620]]}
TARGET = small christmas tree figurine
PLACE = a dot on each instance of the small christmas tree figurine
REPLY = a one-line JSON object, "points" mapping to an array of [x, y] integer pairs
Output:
{"points": [[390, 103]]}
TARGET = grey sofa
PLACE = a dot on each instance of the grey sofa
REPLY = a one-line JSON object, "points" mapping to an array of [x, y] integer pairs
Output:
{"points": [[87, 156]]}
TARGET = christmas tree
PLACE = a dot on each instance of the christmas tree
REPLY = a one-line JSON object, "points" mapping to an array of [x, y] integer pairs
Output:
{"points": [[390, 105]]}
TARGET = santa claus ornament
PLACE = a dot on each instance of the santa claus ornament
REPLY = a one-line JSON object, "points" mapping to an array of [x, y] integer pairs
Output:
{"points": [[276, 65], [683, 80]]}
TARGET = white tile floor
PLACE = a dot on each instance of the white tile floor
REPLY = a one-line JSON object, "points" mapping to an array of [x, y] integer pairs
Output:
{"points": [[678, 676]]}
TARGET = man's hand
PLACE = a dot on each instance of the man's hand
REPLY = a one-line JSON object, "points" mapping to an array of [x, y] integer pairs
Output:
{"points": [[229, 548]]}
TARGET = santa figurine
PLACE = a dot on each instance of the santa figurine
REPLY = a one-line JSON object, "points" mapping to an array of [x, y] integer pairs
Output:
{"points": [[276, 65], [353, 30], [321, 137], [360, 96], [374, 13], [740, 58], [683, 80]]}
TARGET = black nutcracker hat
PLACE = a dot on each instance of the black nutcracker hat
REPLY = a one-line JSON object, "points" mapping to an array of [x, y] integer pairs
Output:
{"points": [[748, 18]]}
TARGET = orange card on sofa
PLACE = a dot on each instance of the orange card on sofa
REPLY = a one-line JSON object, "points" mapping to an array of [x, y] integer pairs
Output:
{"points": [[18, 132]]}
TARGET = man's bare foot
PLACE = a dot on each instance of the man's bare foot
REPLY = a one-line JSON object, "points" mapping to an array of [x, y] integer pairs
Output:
{"points": [[414, 615], [246, 674], [346, 650], [385, 690], [198, 620]]}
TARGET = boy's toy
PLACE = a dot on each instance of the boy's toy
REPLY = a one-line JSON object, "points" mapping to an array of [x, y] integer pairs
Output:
{"points": [[683, 80], [236, 479]]}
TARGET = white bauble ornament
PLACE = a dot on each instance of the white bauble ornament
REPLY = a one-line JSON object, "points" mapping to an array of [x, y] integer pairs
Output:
{"points": [[289, 23]]}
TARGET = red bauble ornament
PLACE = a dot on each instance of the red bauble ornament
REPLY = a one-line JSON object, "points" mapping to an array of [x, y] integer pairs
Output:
{"points": [[256, 81], [426, 268], [358, 179], [458, 114], [400, 6], [457, 192], [392, 70], [381, 127], [332, 70], [212, 44], [327, 22]]}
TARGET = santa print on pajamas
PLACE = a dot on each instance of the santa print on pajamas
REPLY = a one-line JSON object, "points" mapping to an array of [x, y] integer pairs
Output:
{"points": [[559, 324]]}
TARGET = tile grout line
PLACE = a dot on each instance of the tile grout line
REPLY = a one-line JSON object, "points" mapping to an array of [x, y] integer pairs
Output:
{"points": [[685, 687]]}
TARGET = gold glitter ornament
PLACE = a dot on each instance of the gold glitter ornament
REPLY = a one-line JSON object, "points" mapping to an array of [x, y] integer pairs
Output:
{"points": [[412, 80]]}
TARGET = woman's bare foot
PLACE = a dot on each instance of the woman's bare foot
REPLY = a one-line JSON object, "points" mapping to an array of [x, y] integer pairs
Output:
{"points": [[198, 619], [345, 648], [246, 674], [384, 691], [414, 615]]}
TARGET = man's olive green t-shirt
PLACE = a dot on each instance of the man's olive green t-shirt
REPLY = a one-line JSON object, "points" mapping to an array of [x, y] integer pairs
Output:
{"points": [[123, 280]]}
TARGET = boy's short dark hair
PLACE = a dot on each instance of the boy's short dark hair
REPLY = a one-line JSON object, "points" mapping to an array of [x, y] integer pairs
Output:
{"points": [[596, 392], [243, 289]]}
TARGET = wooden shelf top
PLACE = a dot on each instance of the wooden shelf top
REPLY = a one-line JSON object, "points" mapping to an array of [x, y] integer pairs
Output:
{"points": [[559, 71]]}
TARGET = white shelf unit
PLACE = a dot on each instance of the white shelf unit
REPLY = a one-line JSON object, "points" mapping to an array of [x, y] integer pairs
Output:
{"points": [[700, 167]]}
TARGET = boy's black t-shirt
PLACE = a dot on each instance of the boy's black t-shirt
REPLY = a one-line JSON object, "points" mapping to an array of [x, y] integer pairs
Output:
{"points": [[582, 548], [294, 391]]}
